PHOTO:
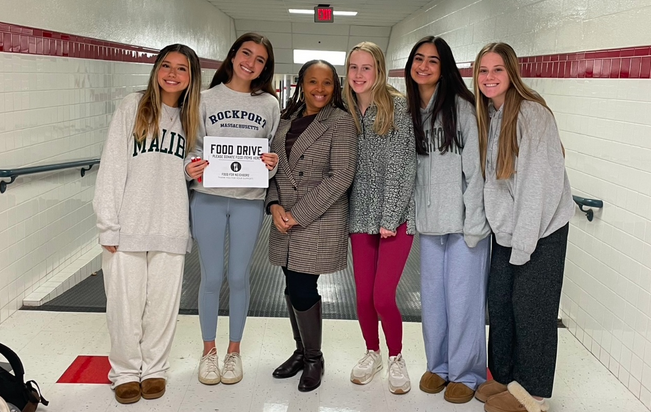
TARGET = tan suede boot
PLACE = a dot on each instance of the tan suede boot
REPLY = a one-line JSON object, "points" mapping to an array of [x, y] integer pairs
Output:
{"points": [[515, 399], [431, 383], [457, 392], [153, 388], [128, 392], [488, 389]]}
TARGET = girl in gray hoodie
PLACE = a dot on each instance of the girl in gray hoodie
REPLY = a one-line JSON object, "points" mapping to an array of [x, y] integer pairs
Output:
{"points": [[528, 205], [454, 234]]}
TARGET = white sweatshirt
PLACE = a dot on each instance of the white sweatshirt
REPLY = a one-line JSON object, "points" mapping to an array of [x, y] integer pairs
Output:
{"points": [[141, 198]]}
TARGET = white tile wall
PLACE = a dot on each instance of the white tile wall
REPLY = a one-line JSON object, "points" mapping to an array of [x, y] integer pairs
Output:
{"points": [[53, 110], [606, 129]]}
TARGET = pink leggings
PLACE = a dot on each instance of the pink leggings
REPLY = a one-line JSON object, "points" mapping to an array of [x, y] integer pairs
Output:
{"points": [[378, 265]]}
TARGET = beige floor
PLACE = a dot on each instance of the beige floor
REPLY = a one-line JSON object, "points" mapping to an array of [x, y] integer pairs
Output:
{"points": [[48, 342]]}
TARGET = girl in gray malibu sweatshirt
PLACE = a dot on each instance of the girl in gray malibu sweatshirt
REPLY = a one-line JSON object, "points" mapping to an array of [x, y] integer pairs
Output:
{"points": [[528, 205], [454, 233], [141, 203]]}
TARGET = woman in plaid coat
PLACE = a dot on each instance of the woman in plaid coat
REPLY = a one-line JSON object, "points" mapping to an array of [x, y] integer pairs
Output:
{"points": [[316, 143]]}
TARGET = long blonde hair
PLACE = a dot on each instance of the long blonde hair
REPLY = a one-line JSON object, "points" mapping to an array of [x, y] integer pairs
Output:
{"points": [[382, 93], [150, 106], [517, 92]]}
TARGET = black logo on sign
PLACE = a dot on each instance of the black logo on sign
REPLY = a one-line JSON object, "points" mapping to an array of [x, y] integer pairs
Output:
{"points": [[236, 167]]}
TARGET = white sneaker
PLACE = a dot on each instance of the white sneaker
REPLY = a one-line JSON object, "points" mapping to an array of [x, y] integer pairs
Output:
{"points": [[366, 368], [232, 371], [209, 368], [398, 377]]}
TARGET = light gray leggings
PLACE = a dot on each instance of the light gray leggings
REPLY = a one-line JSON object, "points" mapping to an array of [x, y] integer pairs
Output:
{"points": [[210, 216]]}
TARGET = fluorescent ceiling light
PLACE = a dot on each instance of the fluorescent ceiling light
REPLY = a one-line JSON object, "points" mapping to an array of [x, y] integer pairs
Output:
{"points": [[337, 58], [311, 12], [344, 13]]}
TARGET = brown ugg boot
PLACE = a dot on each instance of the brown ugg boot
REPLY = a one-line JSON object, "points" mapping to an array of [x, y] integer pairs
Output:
{"points": [[457, 392], [152, 388], [515, 399], [488, 389], [128, 392], [431, 383]]}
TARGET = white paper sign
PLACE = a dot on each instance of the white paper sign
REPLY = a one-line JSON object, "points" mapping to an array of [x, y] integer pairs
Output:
{"points": [[235, 162]]}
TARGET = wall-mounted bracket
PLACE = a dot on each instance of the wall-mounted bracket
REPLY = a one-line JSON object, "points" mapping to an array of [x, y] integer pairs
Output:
{"points": [[589, 203]]}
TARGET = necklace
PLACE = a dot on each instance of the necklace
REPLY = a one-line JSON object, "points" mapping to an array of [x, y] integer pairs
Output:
{"points": [[174, 114]]}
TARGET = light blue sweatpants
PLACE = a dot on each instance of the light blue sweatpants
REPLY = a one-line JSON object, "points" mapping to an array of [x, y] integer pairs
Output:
{"points": [[211, 215], [453, 302]]}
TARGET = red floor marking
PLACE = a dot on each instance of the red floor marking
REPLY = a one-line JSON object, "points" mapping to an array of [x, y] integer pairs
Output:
{"points": [[87, 369]]}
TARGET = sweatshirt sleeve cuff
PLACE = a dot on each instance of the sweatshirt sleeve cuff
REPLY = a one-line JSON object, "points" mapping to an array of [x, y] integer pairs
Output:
{"points": [[109, 238], [472, 240], [390, 226], [519, 257]]}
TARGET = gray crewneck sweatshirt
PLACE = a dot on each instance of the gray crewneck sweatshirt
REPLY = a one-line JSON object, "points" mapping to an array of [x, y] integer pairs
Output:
{"points": [[141, 198], [449, 190], [228, 113], [537, 199]]}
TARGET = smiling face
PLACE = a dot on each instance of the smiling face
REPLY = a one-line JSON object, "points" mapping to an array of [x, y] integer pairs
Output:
{"points": [[362, 72], [318, 87], [249, 61], [426, 66], [173, 77], [493, 80]]}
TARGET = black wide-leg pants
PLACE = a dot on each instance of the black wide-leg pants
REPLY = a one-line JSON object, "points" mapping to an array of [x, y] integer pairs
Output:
{"points": [[523, 306]]}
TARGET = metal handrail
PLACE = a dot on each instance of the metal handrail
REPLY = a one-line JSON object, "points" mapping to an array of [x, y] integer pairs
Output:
{"points": [[592, 203], [12, 174]]}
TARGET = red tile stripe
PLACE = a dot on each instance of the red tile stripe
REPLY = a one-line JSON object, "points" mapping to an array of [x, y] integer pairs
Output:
{"points": [[625, 63], [29, 40]]}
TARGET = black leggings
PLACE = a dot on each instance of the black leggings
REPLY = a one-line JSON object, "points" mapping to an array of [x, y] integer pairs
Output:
{"points": [[301, 288]]}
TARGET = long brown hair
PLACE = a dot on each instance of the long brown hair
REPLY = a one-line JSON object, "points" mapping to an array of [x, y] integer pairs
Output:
{"points": [[517, 92], [264, 82], [382, 93], [150, 106]]}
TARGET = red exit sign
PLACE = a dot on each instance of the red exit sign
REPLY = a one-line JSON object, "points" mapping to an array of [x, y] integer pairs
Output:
{"points": [[323, 14]]}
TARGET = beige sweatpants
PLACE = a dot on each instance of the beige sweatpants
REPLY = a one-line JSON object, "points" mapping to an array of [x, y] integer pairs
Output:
{"points": [[143, 291]]}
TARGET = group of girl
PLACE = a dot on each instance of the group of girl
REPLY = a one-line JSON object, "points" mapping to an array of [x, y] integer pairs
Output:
{"points": [[365, 164]]}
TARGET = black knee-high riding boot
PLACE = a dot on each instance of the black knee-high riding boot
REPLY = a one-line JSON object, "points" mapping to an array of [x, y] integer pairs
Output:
{"points": [[294, 364], [309, 325]]}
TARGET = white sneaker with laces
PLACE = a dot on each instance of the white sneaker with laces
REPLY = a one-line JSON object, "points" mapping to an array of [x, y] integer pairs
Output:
{"points": [[398, 377], [366, 368], [209, 368], [232, 370]]}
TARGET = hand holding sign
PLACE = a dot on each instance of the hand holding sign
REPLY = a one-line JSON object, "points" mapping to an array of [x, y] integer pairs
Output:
{"points": [[235, 162]]}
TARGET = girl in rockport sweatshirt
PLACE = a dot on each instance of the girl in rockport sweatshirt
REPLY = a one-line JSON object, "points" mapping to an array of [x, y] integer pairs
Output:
{"points": [[142, 212], [241, 102], [528, 205], [454, 233]]}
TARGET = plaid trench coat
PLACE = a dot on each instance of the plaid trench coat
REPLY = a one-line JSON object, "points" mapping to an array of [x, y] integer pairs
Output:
{"points": [[313, 185]]}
